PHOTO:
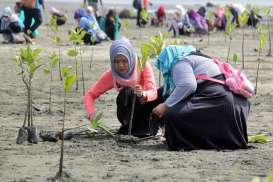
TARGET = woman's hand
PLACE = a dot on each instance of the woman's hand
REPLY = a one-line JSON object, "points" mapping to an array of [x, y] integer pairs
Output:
{"points": [[91, 116], [138, 90], [160, 110]]}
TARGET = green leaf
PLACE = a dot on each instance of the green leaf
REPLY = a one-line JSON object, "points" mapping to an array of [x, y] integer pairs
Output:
{"points": [[145, 54], [69, 82], [46, 71], [235, 58], [54, 60], [259, 138], [269, 178], [263, 40], [95, 123], [56, 39], [72, 52], [53, 24], [243, 18], [16, 60]]}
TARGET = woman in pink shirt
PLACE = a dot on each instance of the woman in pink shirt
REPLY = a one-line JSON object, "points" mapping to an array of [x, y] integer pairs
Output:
{"points": [[127, 78]]}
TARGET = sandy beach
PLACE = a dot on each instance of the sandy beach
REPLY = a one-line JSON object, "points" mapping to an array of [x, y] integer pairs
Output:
{"points": [[99, 157]]}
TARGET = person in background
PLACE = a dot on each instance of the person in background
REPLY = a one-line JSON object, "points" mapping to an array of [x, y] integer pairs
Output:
{"points": [[126, 77], [10, 26], [202, 11], [94, 4], [61, 18], [112, 25], [199, 114], [253, 18], [236, 10], [86, 21], [32, 10], [160, 16], [198, 22], [180, 24], [142, 11], [220, 19]]}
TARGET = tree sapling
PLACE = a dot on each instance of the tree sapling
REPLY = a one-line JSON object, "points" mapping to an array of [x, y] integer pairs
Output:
{"points": [[29, 62]]}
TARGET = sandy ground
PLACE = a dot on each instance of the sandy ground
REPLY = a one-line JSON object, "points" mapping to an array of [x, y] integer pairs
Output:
{"points": [[100, 158]]}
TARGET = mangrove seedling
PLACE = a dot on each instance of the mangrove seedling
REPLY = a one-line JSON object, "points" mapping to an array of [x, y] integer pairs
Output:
{"points": [[54, 60], [229, 31], [76, 37], [235, 59], [126, 26], [259, 138], [210, 17], [56, 39], [262, 42], [29, 62], [268, 15], [145, 54], [243, 18], [69, 79], [96, 123], [157, 44]]}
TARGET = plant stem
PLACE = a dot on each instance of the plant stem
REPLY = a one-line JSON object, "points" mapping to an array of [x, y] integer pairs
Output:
{"points": [[257, 76], [243, 49], [208, 37], [132, 115], [60, 64], [107, 131], [31, 108], [92, 54], [269, 37], [159, 79], [76, 62], [50, 89], [62, 143], [83, 85], [229, 44]]}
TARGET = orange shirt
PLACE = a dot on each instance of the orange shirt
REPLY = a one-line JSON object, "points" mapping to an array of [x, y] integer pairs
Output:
{"points": [[28, 3], [105, 83]]}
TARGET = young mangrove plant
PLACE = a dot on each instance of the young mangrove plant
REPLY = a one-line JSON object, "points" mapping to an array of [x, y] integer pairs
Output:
{"points": [[235, 59], [54, 60], [210, 17], [243, 18], [97, 124], [268, 15], [126, 26], [156, 45], [29, 62], [145, 54], [256, 11], [262, 42], [76, 37], [56, 39], [69, 79], [229, 30]]}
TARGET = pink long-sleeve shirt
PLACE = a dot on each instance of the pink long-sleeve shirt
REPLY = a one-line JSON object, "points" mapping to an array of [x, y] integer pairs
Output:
{"points": [[105, 83]]}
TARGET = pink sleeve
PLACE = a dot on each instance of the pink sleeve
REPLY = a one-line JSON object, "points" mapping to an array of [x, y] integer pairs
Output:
{"points": [[148, 83], [104, 84]]}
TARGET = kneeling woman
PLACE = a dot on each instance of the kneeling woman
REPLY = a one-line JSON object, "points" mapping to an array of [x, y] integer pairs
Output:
{"points": [[199, 114], [125, 76]]}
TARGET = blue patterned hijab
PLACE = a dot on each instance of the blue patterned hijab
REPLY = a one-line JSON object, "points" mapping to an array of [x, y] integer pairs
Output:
{"points": [[125, 48], [166, 61]]}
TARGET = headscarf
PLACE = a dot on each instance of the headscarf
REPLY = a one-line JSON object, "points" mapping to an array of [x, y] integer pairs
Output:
{"points": [[161, 12], [166, 61], [12, 18], [180, 10], [81, 12], [125, 48]]}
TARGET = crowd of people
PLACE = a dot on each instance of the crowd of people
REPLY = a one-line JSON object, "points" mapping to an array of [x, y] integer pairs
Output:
{"points": [[196, 114]]}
